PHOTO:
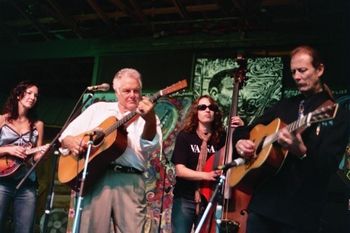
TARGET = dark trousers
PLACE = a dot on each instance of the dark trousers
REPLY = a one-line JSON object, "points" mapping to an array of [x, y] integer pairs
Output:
{"points": [[261, 224]]}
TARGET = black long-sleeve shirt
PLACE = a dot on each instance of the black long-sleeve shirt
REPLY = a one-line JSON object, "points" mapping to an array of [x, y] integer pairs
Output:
{"points": [[296, 194]]}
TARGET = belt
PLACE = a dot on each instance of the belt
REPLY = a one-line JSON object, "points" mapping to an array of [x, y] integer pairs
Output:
{"points": [[124, 169]]}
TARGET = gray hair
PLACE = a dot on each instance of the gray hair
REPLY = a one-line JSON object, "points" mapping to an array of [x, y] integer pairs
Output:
{"points": [[126, 72]]}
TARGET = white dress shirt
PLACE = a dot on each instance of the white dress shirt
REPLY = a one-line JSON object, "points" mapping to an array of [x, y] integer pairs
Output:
{"points": [[138, 149]]}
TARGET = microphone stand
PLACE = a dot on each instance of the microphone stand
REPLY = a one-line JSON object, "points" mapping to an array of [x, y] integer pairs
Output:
{"points": [[213, 198], [218, 194], [78, 208], [165, 190], [54, 144]]}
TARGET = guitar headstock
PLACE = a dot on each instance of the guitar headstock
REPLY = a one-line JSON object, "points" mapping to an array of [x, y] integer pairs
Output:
{"points": [[324, 113], [174, 88]]}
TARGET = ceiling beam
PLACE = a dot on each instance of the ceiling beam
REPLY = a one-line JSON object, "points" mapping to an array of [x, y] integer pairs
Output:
{"points": [[225, 6], [158, 11], [181, 9], [138, 11], [248, 11], [120, 14], [62, 16], [9, 32], [247, 7], [280, 2], [32, 21], [126, 9], [94, 5], [90, 48]]}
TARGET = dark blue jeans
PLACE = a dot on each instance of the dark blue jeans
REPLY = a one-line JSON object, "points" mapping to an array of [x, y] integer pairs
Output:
{"points": [[183, 215], [23, 205]]}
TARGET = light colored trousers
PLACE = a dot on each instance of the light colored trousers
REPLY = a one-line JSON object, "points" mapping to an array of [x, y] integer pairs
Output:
{"points": [[119, 197]]}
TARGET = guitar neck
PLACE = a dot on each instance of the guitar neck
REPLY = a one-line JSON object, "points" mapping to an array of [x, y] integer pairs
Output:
{"points": [[120, 122], [166, 91], [320, 114], [292, 127], [130, 115]]}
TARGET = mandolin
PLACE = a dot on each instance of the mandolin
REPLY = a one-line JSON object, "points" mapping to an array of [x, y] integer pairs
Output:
{"points": [[9, 164]]}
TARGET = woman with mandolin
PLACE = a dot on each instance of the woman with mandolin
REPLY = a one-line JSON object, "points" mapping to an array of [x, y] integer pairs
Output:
{"points": [[195, 157], [292, 200], [20, 130]]}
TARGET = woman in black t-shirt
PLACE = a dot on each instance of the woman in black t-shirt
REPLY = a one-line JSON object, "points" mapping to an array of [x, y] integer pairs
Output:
{"points": [[195, 150]]}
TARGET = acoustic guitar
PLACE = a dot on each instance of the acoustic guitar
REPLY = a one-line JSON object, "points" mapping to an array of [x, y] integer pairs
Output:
{"points": [[264, 138], [9, 164], [109, 142]]}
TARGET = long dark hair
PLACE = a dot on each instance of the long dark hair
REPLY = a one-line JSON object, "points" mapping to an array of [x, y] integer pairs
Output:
{"points": [[11, 104], [191, 120]]}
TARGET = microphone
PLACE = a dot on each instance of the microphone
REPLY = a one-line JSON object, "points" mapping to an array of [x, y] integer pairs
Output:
{"points": [[101, 87], [234, 163]]}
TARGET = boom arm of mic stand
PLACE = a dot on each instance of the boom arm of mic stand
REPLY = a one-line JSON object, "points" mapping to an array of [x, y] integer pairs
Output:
{"points": [[54, 144]]}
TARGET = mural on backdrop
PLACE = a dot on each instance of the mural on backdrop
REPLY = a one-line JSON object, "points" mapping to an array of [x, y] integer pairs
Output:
{"points": [[261, 88]]}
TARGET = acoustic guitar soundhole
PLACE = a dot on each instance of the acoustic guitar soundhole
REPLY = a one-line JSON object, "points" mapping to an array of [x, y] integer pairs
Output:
{"points": [[229, 226], [98, 138]]}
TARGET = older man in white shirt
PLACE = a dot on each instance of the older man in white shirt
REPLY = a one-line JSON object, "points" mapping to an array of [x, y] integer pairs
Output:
{"points": [[120, 193]]}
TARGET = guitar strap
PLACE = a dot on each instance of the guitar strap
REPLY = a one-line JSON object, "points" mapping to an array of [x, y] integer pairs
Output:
{"points": [[301, 109], [324, 104], [201, 163]]}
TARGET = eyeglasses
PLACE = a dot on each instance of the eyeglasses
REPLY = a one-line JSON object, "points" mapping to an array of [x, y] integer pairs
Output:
{"points": [[212, 107]]}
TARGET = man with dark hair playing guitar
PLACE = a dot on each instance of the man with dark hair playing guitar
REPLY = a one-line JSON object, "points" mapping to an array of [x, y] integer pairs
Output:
{"points": [[291, 201]]}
